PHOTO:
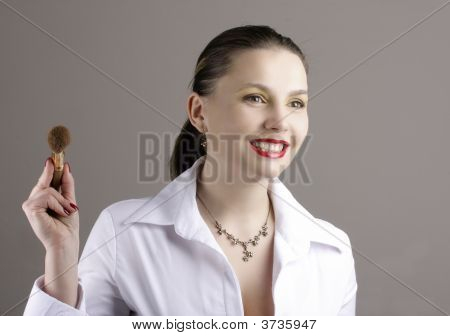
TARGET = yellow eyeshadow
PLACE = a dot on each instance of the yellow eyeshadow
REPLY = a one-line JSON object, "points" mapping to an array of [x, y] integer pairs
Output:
{"points": [[257, 90], [254, 91]]}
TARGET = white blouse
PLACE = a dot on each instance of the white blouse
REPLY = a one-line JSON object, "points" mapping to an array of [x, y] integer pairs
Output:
{"points": [[156, 256]]}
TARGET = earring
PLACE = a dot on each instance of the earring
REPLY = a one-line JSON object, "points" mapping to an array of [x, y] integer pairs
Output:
{"points": [[203, 140]]}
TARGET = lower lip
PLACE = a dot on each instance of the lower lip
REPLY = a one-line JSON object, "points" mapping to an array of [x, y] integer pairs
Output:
{"points": [[270, 155]]}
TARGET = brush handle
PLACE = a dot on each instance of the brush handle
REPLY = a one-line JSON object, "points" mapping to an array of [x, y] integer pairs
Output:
{"points": [[56, 180], [56, 183], [58, 163]]}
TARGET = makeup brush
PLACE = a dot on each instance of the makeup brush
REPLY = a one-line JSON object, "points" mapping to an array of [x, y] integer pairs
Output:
{"points": [[58, 139]]}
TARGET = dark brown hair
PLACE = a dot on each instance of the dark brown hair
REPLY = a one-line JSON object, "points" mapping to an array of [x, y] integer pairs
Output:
{"points": [[213, 63]]}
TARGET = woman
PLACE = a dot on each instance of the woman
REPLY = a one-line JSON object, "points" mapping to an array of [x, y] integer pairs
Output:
{"points": [[187, 251]]}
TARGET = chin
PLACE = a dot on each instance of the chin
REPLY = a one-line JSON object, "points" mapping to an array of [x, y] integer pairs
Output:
{"points": [[267, 172], [271, 172]]}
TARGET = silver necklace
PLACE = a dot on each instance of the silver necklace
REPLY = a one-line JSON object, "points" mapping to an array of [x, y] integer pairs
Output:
{"points": [[234, 240]]}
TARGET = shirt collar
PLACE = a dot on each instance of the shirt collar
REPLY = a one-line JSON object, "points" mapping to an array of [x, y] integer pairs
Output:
{"points": [[176, 205]]}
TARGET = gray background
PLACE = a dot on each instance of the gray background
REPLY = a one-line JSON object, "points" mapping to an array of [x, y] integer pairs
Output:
{"points": [[378, 157]]}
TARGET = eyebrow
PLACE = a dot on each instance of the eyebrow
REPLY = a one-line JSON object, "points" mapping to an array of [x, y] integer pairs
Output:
{"points": [[263, 87]]}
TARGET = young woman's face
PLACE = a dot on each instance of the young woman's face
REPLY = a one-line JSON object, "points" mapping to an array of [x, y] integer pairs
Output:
{"points": [[264, 96]]}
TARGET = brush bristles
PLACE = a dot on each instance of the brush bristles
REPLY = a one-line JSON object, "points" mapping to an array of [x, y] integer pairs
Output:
{"points": [[58, 138]]}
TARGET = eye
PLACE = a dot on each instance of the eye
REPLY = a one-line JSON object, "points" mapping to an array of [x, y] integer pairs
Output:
{"points": [[252, 96], [300, 105]]}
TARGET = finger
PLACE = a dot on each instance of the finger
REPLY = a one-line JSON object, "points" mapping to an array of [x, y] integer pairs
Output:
{"points": [[46, 177], [39, 206], [68, 184], [61, 199], [55, 205]]}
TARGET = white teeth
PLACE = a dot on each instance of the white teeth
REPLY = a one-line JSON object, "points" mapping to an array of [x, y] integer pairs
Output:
{"points": [[269, 147]]}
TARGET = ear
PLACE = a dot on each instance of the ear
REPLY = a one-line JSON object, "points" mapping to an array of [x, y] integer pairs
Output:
{"points": [[196, 111]]}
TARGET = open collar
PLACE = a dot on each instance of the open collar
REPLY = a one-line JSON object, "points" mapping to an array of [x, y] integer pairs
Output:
{"points": [[176, 205]]}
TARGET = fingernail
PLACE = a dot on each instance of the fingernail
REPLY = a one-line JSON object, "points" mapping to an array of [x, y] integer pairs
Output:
{"points": [[67, 212], [74, 206], [45, 163]]}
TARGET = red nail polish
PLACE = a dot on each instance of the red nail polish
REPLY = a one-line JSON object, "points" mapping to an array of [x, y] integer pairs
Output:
{"points": [[74, 206]]}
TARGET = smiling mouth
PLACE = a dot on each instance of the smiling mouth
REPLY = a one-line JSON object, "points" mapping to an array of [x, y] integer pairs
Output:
{"points": [[272, 149]]}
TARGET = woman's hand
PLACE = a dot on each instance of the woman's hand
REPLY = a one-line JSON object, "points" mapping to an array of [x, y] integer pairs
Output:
{"points": [[53, 219]]}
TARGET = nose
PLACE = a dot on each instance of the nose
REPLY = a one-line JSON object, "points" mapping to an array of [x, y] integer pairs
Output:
{"points": [[277, 119]]}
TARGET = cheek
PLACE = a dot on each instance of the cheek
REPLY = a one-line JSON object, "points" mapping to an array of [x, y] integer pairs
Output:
{"points": [[225, 116], [303, 122], [237, 121], [305, 125], [300, 130]]}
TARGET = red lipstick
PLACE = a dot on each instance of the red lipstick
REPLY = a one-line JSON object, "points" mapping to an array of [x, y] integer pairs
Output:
{"points": [[269, 154]]}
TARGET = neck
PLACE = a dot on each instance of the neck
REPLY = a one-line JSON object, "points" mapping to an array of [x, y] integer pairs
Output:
{"points": [[240, 207]]}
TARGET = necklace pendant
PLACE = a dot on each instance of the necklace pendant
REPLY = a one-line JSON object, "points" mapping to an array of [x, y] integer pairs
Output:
{"points": [[247, 255]]}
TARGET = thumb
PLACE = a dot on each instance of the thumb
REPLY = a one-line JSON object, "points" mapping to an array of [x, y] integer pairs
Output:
{"points": [[45, 179], [68, 184]]}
